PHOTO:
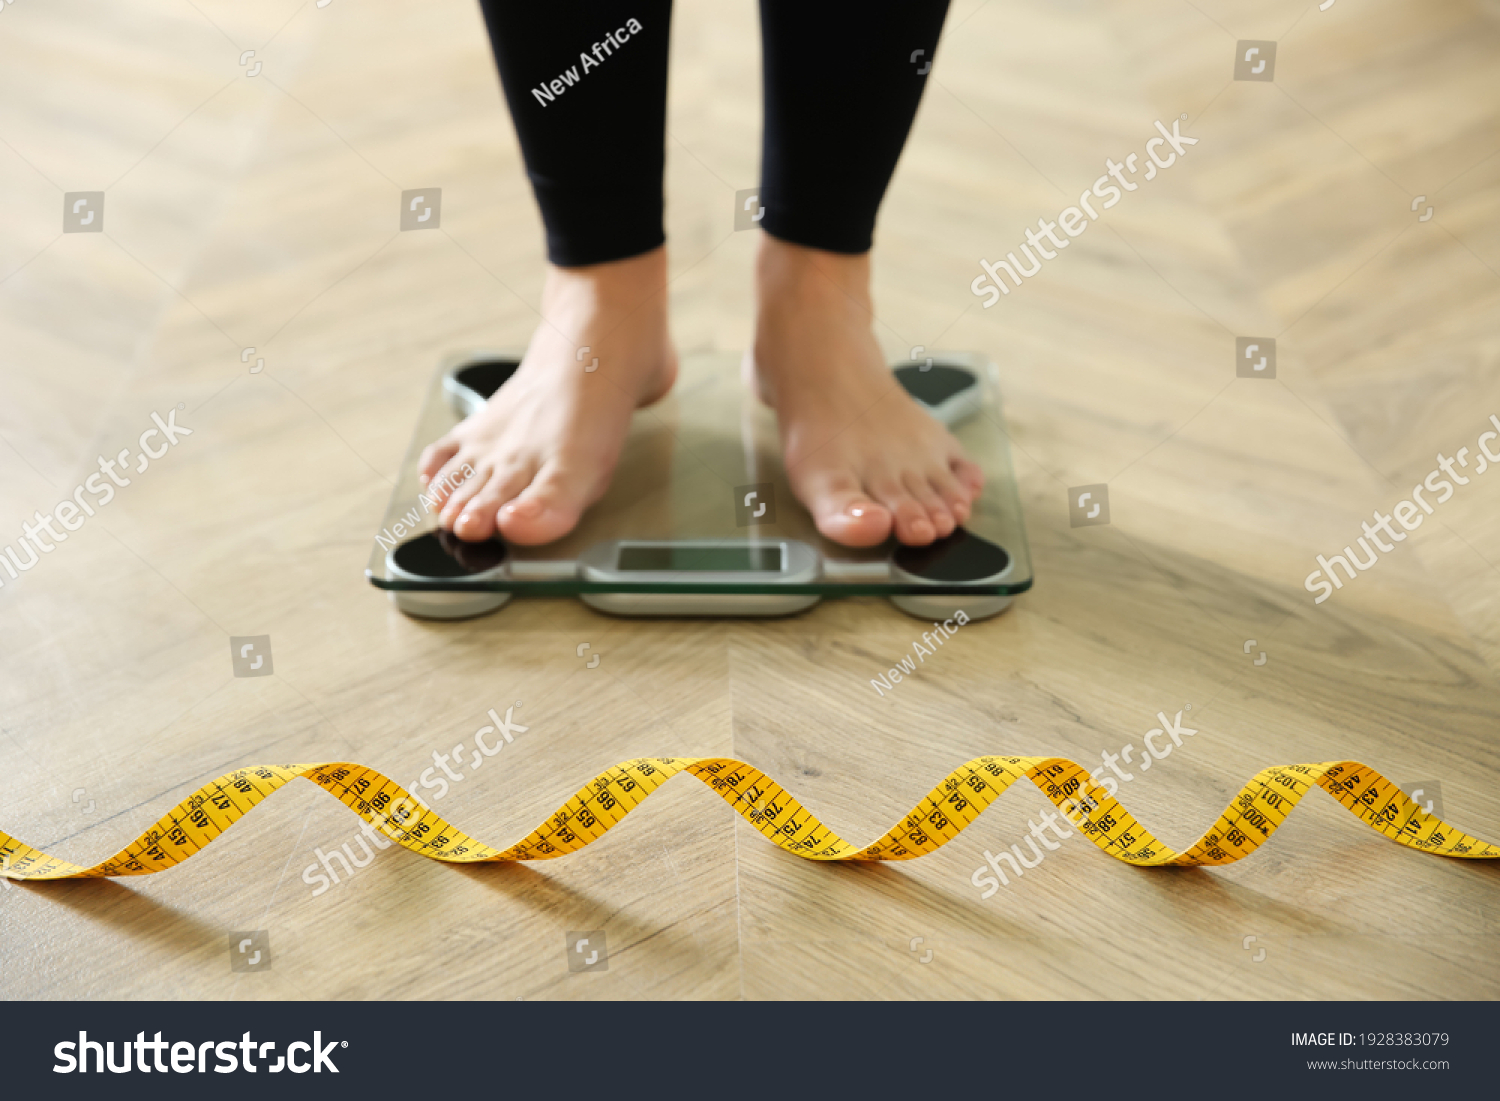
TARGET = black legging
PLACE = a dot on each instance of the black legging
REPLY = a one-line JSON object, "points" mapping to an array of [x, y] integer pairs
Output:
{"points": [[841, 88]]}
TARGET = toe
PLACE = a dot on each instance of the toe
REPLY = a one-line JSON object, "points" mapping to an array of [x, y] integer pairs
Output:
{"points": [[434, 457], [475, 523], [938, 513], [843, 511], [448, 479], [913, 526], [479, 518], [550, 506], [969, 475], [460, 496], [954, 494]]}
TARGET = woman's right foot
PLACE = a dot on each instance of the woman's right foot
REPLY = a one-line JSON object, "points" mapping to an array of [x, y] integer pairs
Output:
{"points": [[545, 445]]}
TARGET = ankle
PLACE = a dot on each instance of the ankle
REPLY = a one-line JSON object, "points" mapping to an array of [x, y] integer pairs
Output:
{"points": [[629, 285], [784, 269]]}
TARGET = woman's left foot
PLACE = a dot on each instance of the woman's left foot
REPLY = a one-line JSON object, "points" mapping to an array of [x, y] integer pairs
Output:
{"points": [[860, 453]]}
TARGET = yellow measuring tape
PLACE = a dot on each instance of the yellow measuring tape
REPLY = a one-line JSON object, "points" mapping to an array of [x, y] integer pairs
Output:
{"points": [[1250, 818]]}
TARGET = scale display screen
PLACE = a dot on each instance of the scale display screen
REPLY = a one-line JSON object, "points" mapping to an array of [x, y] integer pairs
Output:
{"points": [[670, 557]]}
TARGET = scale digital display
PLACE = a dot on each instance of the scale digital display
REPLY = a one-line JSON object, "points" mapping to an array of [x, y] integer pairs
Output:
{"points": [[665, 557]]}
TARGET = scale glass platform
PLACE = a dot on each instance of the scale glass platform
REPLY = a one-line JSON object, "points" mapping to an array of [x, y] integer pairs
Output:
{"points": [[700, 519]]}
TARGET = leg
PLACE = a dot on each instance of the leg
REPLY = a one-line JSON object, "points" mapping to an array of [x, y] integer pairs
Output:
{"points": [[840, 94], [586, 86]]}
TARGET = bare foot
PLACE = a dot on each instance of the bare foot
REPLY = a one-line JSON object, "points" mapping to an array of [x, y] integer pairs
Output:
{"points": [[544, 446], [860, 453]]}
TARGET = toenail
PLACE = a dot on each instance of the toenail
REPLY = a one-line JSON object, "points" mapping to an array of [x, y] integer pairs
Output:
{"points": [[858, 510], [465, 519], [529, 510]]}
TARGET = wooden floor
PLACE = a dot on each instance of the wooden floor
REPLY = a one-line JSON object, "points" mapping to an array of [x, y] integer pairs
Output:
{"points": [[260, 212]]}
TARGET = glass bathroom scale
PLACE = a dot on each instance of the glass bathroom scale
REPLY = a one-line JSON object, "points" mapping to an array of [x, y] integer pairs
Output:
{"points": [[700, 519]]}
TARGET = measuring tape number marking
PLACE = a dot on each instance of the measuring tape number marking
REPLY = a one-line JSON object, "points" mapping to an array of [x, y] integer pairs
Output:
{"points": [[1251, 817]]}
